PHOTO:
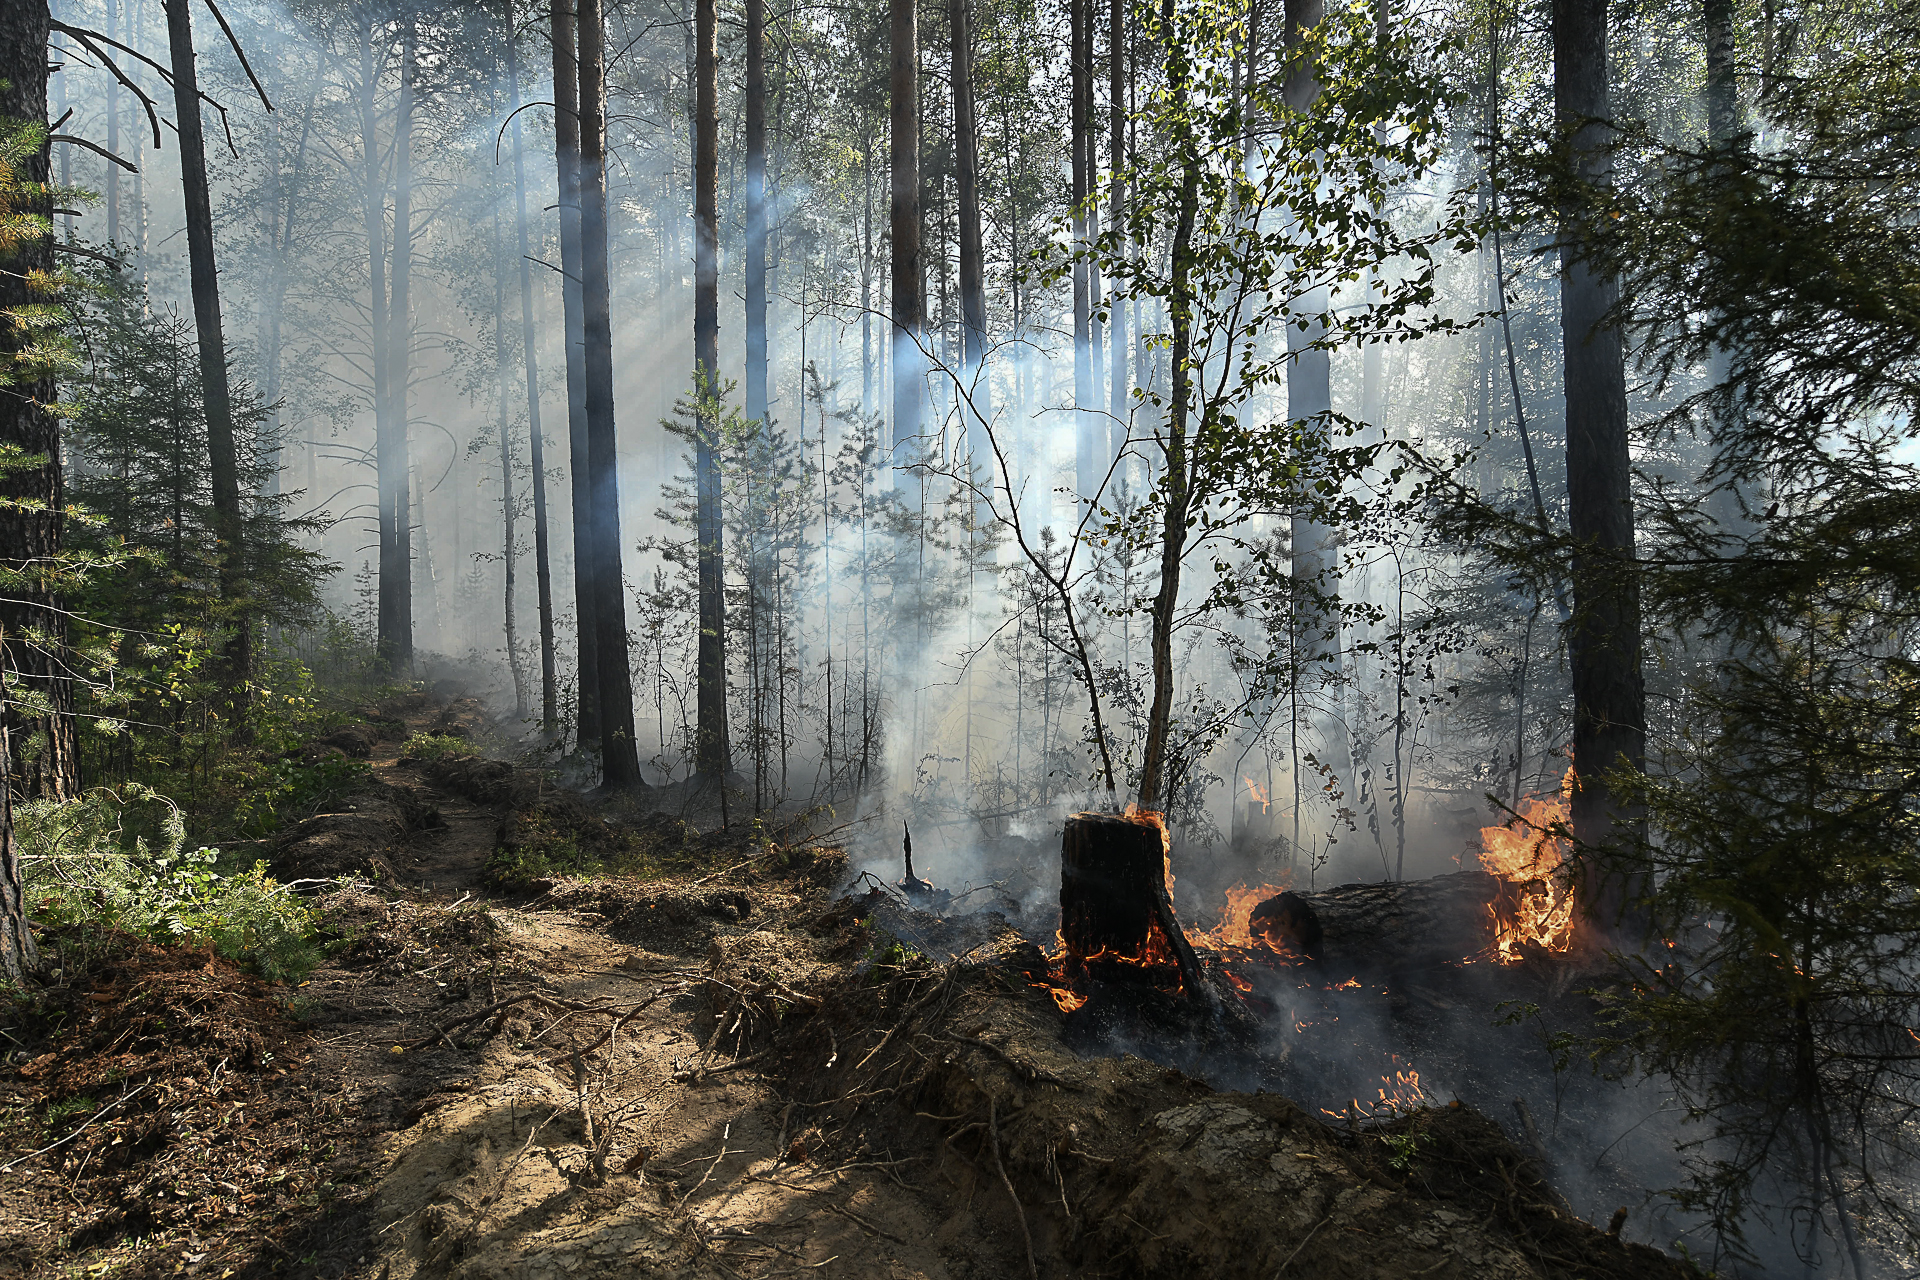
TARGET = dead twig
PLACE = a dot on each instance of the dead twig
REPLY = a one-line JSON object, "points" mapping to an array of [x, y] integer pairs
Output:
{"points": [[993, 1145], [725, 1133], [859, 1221], [117, 1102], [1288, 1260]]}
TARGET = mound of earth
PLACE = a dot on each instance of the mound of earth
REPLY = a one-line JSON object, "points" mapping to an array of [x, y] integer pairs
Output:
{"points": [[355, 837]]}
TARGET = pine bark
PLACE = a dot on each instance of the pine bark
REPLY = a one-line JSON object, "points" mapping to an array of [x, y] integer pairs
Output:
{"points": [[909, 285], [713, 752], [542, 561], [619, 752], [47, 768], [1603, 647], [216, 397], [566, 142]]}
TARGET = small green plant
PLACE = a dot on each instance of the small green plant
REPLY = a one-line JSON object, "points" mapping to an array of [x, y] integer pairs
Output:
{"points": [[887, 952], [117, 861], [1405, 1148], [436, 746]]}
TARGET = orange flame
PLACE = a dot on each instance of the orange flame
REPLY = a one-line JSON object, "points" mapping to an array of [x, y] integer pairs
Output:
{"points": [[1154, 818], [1236, 923], [1529, 853], [1257, 791], [1400, 1093]]}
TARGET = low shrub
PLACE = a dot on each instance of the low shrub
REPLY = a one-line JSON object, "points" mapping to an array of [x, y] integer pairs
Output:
{"points": [[115, 862], [435, 746]]}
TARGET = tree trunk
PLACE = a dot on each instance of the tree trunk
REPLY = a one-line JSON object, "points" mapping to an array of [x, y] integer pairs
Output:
{"points": [[1603, 646], [542, 562], [619, 753], [713, 753], [1119, 398], [566, 140], [113, 132], [1316, 567], [1723, 96], [391, 449], [509, 558], [222, 455], [909, 286], [1173, 529], [973, 270], [1086, 458], [1115, 913], [756, 379], [373, 219], [1389, 925], [31, 533]]}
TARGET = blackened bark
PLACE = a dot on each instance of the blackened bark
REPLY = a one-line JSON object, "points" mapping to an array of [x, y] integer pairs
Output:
{"points": [[1609, 697], [713, 754], [542, 563], [566, 141], [909, 287], [619, 753], [31, 648], [392, 464], [1114, 902], [756, 379], [217, 401]]}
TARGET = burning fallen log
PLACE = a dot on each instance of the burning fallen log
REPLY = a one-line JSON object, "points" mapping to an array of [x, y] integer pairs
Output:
{"points": [[1398, 923], [1116, 920]]}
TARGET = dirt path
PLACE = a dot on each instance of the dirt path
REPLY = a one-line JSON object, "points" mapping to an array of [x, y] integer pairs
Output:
{"points": [[444, 861]]}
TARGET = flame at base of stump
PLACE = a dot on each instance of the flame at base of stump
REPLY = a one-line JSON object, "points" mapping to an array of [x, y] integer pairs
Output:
{"points": [[1116, 919]]}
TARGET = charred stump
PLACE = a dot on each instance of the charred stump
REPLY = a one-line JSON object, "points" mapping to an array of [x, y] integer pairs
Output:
{"points": [[1114, 908]]}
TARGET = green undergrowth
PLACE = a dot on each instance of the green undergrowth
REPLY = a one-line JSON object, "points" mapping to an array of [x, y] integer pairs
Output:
{"points": [[115, 863], [435, 746], [547, 842]]}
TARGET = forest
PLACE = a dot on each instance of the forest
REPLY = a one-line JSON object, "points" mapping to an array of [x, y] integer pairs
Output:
{"points": [[1447, 470]]}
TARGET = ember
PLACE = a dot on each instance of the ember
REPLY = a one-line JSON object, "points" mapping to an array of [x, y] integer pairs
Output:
{"points": [[1528, 853]]}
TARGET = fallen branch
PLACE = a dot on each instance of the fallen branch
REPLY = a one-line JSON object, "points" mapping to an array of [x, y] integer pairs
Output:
{"points": [[121, 1101], [530, 997], [621, 1021]]}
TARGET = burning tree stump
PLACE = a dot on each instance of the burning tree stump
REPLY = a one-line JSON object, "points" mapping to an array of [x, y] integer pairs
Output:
{"points": [[1113, 899]]}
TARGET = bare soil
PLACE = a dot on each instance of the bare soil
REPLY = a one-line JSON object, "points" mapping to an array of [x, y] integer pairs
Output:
{"points": [[719, 1071]]}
